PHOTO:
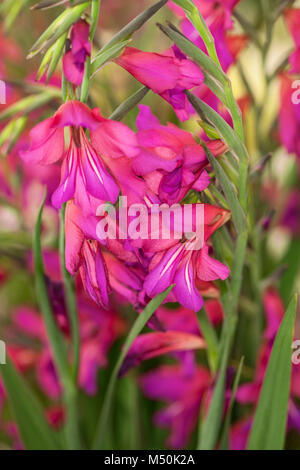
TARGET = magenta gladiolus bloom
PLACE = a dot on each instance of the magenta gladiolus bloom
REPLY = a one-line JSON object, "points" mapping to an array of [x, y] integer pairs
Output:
{"points": [[292, 18], [80, 49], [289, 117], [155, 344], [84, 176], [170, 160], [179, 263], [166, 74], [84, 255]]}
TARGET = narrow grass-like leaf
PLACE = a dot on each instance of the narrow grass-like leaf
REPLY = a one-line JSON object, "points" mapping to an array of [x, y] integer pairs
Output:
{"points": [[197, 20], [70, 296], [211, 339], [134, 25], [129, 104], [214, 76], [292, 260], [47, 33], [36, 434], [224, 443], [107, 54], [11, 16], [59, 26], [46, 4], [223, 129], [95, 11], [238, 216], [56, 339], [269, 425], [29, 104], [210, 428], [58, 48], [11, 133], [136, 329]]}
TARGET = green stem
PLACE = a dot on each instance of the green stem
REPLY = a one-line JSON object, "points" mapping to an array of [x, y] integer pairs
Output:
{"points": [[57, 342], [210, 338], [70, 297], [136, 329]]}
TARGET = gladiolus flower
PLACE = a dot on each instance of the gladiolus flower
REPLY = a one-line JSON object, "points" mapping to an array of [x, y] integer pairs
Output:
{"points": [[170, 160], [180, 264], [289, 116], [80, 49], [84, 255], [154, 344], [165, 74], [84, 176]]}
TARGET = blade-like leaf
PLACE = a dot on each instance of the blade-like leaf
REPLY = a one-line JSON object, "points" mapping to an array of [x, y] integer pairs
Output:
{"points": [[58, 28], [224, 444], [223, 129], [107, 54], [211, 339], [292, 260], [269, 425], [238, 216], [95, 11], [29, 104], [129, 104], [58, 48], [210, 428], [214, 76], [136, 329], [35, 432], [56, 339]]}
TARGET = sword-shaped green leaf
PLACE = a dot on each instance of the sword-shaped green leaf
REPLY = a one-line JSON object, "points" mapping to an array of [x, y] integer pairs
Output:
{"points": [[269, 425]]}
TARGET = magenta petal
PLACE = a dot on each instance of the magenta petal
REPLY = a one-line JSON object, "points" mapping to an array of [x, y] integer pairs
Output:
{"points": [[66, 189], [148, 161], [29, 321], [74, 239], [202, 182], [74, 113], [80, 37], [162, 276], [47, 376], [146, 120], [114, 139], [190, 74], [72, 70], [158, 72], [89, 367], [151, 345], [93, 273], [185, 290], [47, 144], [99, 183], [101, 276], [209, 269]]}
